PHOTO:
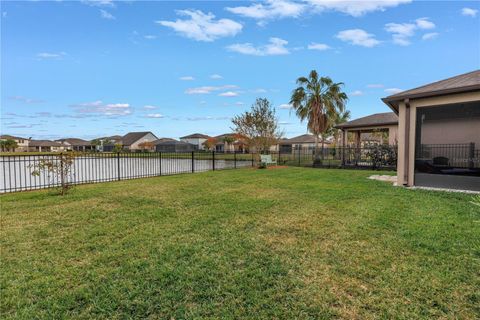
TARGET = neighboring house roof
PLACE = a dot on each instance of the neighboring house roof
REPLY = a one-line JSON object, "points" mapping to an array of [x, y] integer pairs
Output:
{"points": [[132, 137], [304, 138], [462, 83], [7, 136], [162, 140], [74, 142], [220, 137], [44, 143], [195, 136], [374, 120]]}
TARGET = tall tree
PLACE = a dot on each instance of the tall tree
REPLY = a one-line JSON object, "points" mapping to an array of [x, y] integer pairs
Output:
{"points": [[318, 100], [259, 126]]}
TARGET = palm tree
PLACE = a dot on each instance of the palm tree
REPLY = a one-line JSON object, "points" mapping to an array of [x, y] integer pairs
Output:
{"points": [[319, 101]]}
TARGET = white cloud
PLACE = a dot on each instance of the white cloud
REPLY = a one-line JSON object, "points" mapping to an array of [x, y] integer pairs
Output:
{"points": [[356, 93], [208, 89], [4, 14], [150, 37], [106, 15], [430, 36], [285, 106], [98, 107], [202, 27], [402, 32], [358, 37], [260, 90], [276, 9], [51, 55], [149, 107], [425, 24], [355, 8], [270, 9], [228, 94], [99, 3], [239, 103], [155, 115], [276, 46], [25, 99], [216, 76], [393, 90], [318, 46], [375, 85], [469, 12], [187, 78]]}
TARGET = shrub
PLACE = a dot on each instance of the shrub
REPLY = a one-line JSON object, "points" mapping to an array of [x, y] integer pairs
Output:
{"points": [[382, 155]]}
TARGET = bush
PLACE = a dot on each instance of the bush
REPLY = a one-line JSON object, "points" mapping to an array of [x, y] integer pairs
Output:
{"points": [[382, 155]]}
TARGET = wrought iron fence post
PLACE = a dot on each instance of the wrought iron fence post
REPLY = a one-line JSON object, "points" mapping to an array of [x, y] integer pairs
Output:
{"points": [[62, 175], [213, 160], [471, 155], [235, 159], [193, 162], [160, 156], [118, 166]]}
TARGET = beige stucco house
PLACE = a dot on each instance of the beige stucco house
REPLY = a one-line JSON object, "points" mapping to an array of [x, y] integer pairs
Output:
{"points": [[439, 133], [134, 140], [22, 143], [197, 139]]}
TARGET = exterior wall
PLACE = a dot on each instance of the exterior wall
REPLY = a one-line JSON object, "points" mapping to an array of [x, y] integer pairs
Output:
{"points": [[146, 138], [196, 141], [451, 131], [402, 166]]}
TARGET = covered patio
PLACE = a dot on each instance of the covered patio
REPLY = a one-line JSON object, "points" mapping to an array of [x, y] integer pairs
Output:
{"points": [[379, 128]]}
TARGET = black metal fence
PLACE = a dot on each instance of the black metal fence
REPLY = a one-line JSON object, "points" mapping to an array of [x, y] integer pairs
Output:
{"points": [[453, 155], [376, 157], [17, 172]]}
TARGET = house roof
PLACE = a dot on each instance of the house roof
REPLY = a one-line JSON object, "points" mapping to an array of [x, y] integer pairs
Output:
{"points": [[75, 141], [374, 120], [304, 138], [7, 136], [132, 137], [462, 83], [44, 143], [162, 140], [195, 136]]}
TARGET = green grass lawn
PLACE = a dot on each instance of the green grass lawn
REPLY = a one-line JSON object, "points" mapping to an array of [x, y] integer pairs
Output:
{"points": [[260, 244]]}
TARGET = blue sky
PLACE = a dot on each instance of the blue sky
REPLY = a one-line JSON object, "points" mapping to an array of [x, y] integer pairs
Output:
{"points": [[94, 68]]}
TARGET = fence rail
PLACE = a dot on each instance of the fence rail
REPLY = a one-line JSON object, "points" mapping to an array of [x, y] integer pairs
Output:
{"points": [[16, 171], [381, 157]]}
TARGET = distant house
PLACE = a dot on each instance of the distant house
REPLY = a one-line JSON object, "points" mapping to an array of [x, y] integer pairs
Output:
{"points": [[302, 143], [45, 146], [171, 145], [107, 144], [230, 142], [76, 144], [134, 141], [22, 143], [379, 128], [197, 139]]}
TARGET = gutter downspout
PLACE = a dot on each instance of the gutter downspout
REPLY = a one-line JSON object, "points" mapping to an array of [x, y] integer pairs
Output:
{"points": [[407, 143]]}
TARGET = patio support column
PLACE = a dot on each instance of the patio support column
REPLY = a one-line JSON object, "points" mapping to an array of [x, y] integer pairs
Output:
{"points": [[358, 146]]}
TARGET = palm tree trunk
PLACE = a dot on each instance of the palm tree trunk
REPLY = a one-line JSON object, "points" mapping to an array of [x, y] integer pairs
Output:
{"points": [[317, 154]]}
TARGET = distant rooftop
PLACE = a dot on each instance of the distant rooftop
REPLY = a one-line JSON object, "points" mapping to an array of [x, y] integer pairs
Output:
{"points": [[195, 136]]}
